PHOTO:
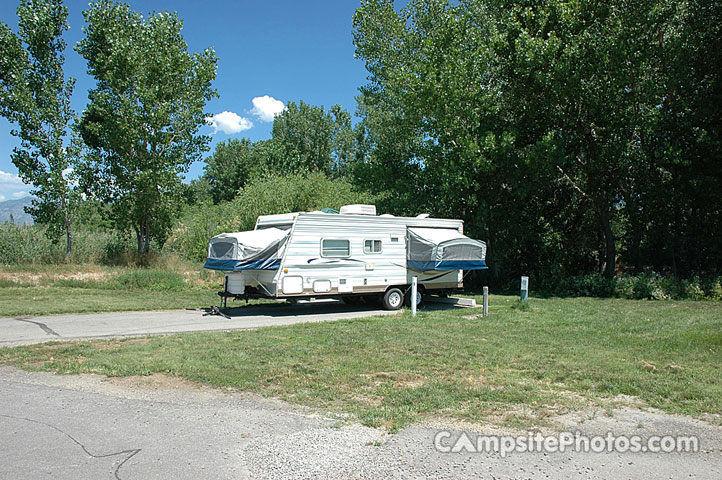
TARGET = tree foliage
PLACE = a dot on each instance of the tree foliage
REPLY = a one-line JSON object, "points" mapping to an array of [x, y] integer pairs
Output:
{"points": [[305, 138], [232, 164], [675, 214], [144, 115], [263, 195], [35, 96], [547, 125], [311, 139]]}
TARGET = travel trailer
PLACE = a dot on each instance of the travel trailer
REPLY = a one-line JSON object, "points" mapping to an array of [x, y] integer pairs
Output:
{"points": [[351, 255]]}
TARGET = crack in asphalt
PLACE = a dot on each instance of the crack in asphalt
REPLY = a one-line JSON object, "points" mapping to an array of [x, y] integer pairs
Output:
{"points": [[44, 327], [130, 453]]}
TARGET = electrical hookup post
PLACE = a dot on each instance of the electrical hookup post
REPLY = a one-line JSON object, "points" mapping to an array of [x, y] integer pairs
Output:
{"points": [[524, 289], [414, 290], [485, 307]]}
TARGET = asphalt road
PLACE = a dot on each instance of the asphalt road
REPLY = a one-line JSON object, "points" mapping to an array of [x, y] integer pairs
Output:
{"points": [[27, 330], [90, 427]]}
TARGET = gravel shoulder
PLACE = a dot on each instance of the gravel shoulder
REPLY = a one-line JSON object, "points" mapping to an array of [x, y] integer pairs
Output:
{"points": [[88, 426]]}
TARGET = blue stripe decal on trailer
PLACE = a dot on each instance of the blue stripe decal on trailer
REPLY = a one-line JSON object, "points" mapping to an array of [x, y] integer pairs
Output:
{"points": [[421, 266], [237, 265]]}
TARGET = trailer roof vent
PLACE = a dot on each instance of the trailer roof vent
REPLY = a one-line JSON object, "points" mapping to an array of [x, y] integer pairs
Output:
{"points": [[358, 210]]}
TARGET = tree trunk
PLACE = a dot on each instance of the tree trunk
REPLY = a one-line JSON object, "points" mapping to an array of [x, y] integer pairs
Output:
{"points": [[139, 239], [69, 238], [66, 224], [142, 233], [610, 250], [146, 244]]}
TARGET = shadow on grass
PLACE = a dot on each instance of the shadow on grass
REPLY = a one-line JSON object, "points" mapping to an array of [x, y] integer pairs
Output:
{"points": [[307, 308]]}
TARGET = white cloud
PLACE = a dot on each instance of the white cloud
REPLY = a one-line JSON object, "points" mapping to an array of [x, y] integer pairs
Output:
{"points": [[11, 186], [228, 123], [266, 107], [9, 179]]}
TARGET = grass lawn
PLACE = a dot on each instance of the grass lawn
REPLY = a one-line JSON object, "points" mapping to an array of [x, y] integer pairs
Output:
{"points": [[44, 301], [49, 289], [515, 367]]}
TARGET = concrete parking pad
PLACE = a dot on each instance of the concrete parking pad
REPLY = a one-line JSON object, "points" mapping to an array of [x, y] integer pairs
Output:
{"points": [[28, 330]]}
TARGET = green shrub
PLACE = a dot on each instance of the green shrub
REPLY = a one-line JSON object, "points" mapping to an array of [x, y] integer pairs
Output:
{"points": [[692, 289], [714, 291], [303, 192], [150, 279], [586, 286], [28, 244], [23, 244], [115, 248], [652, 286]]}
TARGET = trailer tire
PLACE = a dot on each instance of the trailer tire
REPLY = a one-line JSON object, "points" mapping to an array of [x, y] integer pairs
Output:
{"points": [[393, 299], [419, 297]]}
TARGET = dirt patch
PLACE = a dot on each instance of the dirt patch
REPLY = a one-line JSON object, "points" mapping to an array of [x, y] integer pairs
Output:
{"points": [[368, 400], [123, 341], [24, 278], [21, 278], [53, 346], [92, 276], [157, 381], [399, 379]]}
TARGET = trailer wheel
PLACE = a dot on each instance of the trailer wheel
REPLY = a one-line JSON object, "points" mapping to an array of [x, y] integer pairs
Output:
{"points": [[393, 299], [419, 297]]}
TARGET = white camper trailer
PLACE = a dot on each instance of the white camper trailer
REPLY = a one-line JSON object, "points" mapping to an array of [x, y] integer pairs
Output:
{"points": [[349, 255]]}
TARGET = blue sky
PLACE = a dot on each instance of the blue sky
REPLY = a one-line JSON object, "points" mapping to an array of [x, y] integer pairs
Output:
{"points": [[284, 49]]}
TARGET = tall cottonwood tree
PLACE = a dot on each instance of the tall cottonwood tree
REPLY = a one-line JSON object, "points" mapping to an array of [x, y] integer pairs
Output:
{"points": [[143, 119], [579, 80], [231, 166], [35, 96], [484, 107], [312, 139]]}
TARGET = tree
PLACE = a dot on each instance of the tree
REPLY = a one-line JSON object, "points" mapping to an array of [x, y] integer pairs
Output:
{"points": [[581, 82], [144, 115], [675, 215], [312, 139], [229, 168], [482, 107], [35, 95], [343, 139]]}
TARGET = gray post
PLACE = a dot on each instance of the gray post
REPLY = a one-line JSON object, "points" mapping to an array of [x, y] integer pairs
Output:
{"points": [[414, 290], [485, 309], [524, 288]]}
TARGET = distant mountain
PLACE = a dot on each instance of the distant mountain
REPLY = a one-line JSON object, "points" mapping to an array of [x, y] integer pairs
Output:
{"points": [[15, 208]]}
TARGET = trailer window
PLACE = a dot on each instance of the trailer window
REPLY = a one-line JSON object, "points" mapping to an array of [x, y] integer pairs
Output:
{"points": [[222, 250], [335, 248], [372, 246]]}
